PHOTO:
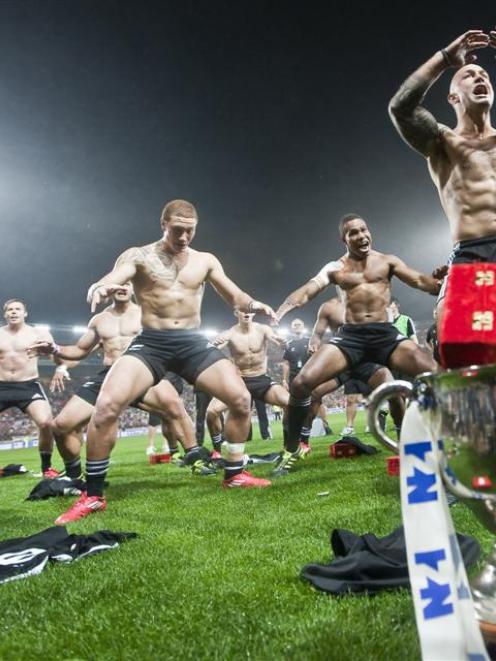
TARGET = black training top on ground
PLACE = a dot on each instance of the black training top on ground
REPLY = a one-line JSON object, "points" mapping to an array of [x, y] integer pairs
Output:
{"points": [[26, 556], [366, 563]]}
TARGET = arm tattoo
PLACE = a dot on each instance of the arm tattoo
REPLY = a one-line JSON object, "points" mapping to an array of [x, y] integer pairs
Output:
{"points": [[415, 124], [411, 94], [133, 255], [158, 264]]}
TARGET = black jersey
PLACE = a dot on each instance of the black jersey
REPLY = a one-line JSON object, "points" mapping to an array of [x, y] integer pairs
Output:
{"points": [[296, 354], [27, 556]]}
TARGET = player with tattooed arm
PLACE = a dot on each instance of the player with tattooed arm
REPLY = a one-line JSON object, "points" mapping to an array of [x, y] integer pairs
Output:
{"points": [[461, 160], [168, 278]]}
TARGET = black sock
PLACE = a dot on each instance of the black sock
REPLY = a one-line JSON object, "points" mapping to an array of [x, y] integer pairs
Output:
{"points": [[232, 468], [195, 453], [217, 441], [46, 460], [96, 472], [305, 434], [297, 412], [192, 454], [73, 468], [285, 434]]}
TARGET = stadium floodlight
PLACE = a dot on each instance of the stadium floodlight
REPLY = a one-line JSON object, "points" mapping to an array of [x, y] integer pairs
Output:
{"points": [[79, 329], [210, 332], [44, 327], [282, 331]]}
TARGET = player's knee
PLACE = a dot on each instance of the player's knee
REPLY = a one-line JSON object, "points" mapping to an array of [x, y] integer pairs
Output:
{"points": [[240, 404], [106, 411], [300, 387], [59, 428], [174, 409], [45, 424]]}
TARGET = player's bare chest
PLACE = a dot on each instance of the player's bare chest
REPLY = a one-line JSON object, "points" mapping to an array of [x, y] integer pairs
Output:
{"points": [[349, 278], [244, 344], [475, 158], [16, 343], [115, 327], [171, 271]]}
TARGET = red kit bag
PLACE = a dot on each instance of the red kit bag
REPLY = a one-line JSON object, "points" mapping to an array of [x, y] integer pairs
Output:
{"points": [[468, 330]]}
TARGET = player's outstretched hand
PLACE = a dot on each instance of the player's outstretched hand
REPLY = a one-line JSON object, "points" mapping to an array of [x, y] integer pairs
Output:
{"points": [[492, 38], [460, 51], [57, 383], [440, 272], [258, 306], [313, 346], [99, 293], [42, 348]]}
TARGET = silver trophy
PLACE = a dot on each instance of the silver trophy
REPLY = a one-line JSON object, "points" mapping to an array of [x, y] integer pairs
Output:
{"points": [[461, 408]]}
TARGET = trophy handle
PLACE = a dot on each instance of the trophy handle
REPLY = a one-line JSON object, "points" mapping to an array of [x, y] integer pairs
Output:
{"points": [[374, 401]]}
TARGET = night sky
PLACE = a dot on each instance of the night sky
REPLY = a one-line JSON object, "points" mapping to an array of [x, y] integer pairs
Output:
{"points": [[271, 119]]}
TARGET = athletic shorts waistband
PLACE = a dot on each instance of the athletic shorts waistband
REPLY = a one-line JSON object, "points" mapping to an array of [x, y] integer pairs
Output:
{"points": [[170, 332], [371, 325], [474, 242], [20, 383]]}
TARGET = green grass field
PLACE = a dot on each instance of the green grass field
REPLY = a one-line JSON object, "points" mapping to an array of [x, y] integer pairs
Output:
{"points": [[214, 573]]}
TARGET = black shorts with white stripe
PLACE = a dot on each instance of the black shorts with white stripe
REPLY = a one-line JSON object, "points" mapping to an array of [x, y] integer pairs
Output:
{"points": [[20, 394]]}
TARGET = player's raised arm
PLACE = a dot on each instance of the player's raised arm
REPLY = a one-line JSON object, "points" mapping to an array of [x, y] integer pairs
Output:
{"points": [[415, 124], [414, 278], [309, 290], [124, 271], [231, 293]]}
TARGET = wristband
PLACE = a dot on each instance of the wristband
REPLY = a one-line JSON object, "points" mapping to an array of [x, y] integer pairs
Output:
{"points": [[254, 305], [446, 57], [62, 369]]}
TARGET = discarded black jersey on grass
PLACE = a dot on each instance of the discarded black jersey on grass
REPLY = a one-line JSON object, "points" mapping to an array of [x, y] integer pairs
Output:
{"points": [[366, 563], [13, 469], [27, 556], [60, 486]]}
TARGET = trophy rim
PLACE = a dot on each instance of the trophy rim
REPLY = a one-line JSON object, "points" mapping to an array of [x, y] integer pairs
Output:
{"points": [[458, 375]]}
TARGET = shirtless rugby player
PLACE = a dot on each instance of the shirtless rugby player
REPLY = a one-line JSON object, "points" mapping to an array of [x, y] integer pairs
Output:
{"points": [[364, 277], [248, 342], [461, 160], [19, 385], [169, 278], [113, 329]]}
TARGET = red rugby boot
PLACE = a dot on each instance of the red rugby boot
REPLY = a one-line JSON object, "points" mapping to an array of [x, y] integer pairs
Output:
{"points": [[85, 506], [245, 479], [51, 473]]}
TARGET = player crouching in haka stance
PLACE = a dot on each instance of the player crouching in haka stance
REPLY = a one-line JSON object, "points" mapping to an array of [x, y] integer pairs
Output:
{"points": [[168, 279], [112, 330], [364, 277]]}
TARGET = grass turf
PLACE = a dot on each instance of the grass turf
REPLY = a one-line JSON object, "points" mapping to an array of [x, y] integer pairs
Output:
{"points": [[214, 573]]}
